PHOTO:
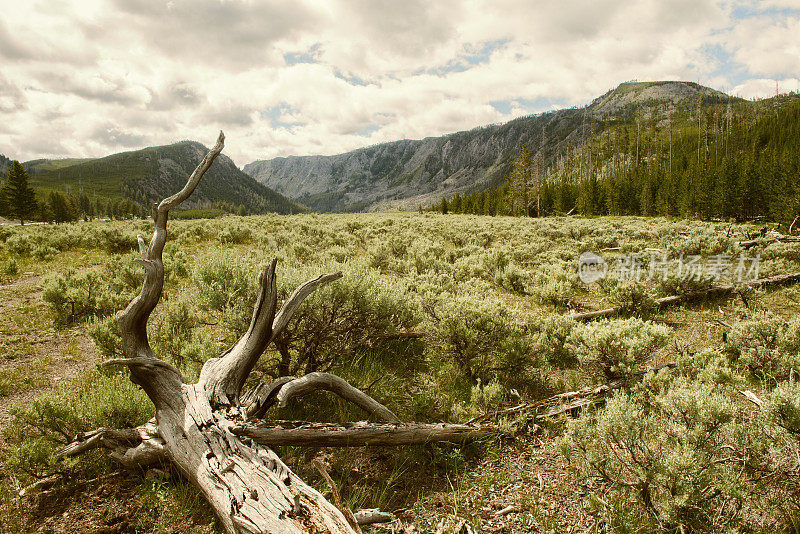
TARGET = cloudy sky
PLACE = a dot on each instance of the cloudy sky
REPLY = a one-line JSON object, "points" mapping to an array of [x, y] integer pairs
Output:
{"points": [[91, 77]]}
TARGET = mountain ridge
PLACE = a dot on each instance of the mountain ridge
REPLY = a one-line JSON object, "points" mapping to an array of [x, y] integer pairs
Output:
{"points": [[407, 173], [146, 175]]}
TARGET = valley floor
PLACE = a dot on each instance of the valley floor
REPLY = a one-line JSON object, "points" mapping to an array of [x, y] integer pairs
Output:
{"points": [[481, 291]]}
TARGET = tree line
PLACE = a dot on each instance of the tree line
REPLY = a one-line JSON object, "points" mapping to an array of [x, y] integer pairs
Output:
{"points": [[18, 201]]}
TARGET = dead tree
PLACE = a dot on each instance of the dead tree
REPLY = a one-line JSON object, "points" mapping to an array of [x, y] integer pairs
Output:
{"points": [[204, 429]]}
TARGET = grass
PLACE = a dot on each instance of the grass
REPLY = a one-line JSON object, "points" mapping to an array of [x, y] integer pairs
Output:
{"points": [[426, 266], [22, 378]]}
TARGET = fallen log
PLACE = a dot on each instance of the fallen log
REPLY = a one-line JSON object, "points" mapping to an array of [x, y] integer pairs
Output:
{"points": [[750, 243], [567, 402], [358, 434], [714, 291], [142, 447]]}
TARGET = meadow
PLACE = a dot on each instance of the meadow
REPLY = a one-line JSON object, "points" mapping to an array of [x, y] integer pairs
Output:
{"points": [[441, 318]]}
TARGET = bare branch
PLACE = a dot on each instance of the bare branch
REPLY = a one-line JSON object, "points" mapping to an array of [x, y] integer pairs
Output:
{"points": [[170, 202], [142, 246], [133, 320], [132, 447], [749, 395], [296, 298], [323, 381], [348, 514], [224, 377], [261, 398], [145, 363], [360, 434]]}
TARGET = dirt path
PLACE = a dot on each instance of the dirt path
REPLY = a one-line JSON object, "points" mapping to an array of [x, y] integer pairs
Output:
{"points": [[35, 357]]}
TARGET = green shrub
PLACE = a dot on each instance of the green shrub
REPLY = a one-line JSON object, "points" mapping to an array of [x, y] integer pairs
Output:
{"points": [[691, 455], [551, 339], [176, 264], [485, 343], [617, 348], [234, 234], [10, 267], [360, 311], [483, 399], [633, 298], [682, 285], [113, 240], [106, 335], [73, 295], [48, 423], [78, 295], [43, 252], [178, 339], [512, 278], [555, 284], [766, 345], [226, 286], [19, 244]]}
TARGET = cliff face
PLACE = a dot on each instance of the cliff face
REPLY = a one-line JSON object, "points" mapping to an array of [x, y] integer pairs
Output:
{"points": [[406, 174]]}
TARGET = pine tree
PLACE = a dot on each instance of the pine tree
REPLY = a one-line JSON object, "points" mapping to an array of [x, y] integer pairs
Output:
{"points": [[520, 182], [19, 194], [457, 205], [60, 207], [3, 201]]}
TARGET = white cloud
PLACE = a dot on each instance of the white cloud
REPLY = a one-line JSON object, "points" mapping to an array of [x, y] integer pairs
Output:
{"points": [[763, 87], [90, 77], [766, 45]]}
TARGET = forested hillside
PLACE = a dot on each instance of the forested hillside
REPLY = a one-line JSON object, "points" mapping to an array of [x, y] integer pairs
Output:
{"points": [[723, 159], [143, 176]]}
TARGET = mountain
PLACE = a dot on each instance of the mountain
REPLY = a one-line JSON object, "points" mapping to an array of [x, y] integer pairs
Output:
{"points": [[630, 96], [409, 173], [150, 174]]}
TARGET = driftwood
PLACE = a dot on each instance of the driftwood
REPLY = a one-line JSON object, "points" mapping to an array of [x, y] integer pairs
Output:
{"points": [[201, 428], [715, 291]]}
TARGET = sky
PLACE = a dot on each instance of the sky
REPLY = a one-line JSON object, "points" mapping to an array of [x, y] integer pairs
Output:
{"points": [[86, 78]]}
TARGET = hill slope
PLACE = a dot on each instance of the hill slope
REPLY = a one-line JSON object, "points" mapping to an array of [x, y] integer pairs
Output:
{"points": [[405, 174], [147, 175]]}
